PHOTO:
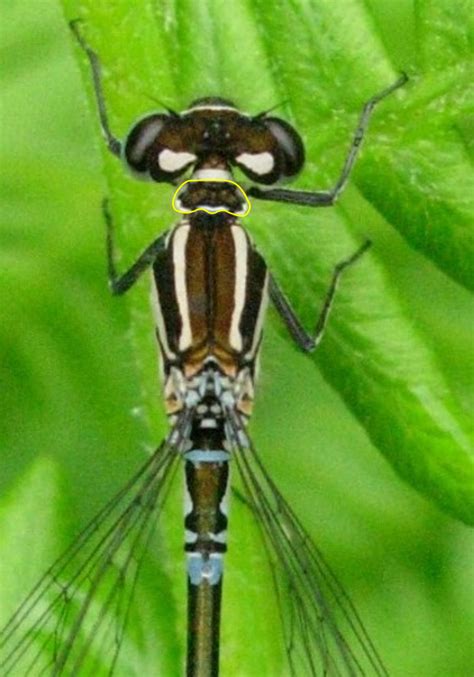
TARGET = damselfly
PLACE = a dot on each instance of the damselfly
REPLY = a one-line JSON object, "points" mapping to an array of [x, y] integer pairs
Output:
{"points": [[211, 287]]}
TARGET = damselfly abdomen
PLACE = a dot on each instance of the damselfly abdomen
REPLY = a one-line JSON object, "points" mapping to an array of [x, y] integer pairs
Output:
{"points": [[211, 288]]}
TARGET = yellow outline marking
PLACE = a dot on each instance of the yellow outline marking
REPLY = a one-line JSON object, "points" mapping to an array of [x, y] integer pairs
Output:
{"points": [[215, 211]]}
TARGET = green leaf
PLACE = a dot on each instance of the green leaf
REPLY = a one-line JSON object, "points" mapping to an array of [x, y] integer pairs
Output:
{"points": [[33, 501]]}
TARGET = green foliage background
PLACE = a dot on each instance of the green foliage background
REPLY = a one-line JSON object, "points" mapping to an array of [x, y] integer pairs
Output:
{"points": [[80, 393]]}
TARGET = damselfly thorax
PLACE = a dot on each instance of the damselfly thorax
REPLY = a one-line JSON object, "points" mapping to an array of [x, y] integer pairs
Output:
{"points": [[210, 289]]}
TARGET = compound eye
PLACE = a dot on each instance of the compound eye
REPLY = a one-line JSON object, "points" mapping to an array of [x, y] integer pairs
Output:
{"points": [[153, 149], [140, 141], [290, 149]]}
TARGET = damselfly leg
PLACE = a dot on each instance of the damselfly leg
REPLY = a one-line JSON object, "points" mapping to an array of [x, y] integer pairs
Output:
{"points": [[329, 197], [121, 283], [113, 144], [306, 341]]}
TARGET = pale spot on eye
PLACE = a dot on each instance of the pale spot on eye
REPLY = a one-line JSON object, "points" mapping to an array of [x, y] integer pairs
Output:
{"points": [[259, 163], [170, 161], [147, 136]]}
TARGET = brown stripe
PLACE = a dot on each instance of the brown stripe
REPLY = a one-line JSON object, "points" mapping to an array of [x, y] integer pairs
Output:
{"points": [[223, 265], [197, 285]]}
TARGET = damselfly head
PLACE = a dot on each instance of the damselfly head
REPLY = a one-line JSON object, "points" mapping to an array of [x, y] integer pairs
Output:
{"points": [[212, 135]]}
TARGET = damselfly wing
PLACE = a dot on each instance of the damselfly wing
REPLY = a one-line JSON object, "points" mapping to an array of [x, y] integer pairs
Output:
{"points": [[211, 288]]}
